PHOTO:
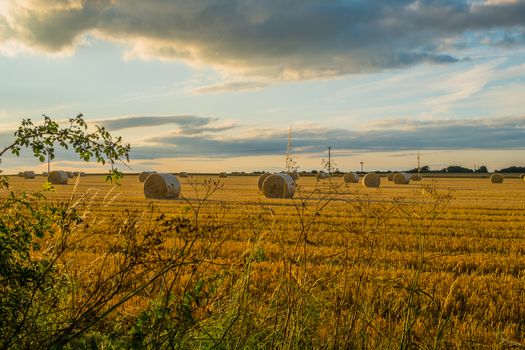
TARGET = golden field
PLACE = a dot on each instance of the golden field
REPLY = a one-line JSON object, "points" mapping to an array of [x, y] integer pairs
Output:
{"points": [[336, 267]]}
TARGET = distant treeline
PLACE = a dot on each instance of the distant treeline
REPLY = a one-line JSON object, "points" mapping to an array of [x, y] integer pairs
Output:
{"points": [[482, 169], [454, 169]]}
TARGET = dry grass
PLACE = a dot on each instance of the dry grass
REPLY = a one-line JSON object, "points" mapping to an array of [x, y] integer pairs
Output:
{"points": [[350, 267]]}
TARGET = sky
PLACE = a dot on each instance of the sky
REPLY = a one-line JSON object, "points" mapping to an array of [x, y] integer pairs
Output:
{"points": [[215, 85]]}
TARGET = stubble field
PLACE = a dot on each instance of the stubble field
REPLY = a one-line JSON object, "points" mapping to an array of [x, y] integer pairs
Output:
{"points": [[436, 264]]}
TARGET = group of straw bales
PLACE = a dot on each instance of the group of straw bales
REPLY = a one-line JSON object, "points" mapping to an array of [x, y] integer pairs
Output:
{"points": [[370, 180], [57, 177], [403, 178], [28, 174]]}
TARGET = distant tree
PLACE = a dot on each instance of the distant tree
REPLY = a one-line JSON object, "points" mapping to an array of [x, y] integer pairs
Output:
{"points": [[512, 169], [457, 169], [424, 169], [482, 169], [314, 172]]}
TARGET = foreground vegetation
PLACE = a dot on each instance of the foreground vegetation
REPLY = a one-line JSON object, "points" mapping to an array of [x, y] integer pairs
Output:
{"points": [[337, 267]]}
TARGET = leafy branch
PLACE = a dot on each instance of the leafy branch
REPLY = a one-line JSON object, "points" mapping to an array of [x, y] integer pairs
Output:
{"points": [[42, 139]]}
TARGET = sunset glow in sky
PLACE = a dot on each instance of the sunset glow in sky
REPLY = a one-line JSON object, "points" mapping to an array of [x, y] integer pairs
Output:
{"points": [[211, 85]]}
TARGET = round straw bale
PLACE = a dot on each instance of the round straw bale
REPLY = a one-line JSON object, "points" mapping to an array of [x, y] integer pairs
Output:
{"points": [[351, 178], [294, 175], [371, 180], [161, 186], [75, 173], [183, 174], [261, 180], [82, 174], [278, 186], [496, 178], [522, 176], [29, 174], [58, 177], [144, 175], [402, 179], [223, 175], [417, 177], [390, 177]]}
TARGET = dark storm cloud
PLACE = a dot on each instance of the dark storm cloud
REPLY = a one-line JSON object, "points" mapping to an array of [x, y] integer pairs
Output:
{"points": [[187, 124], [144, 121], [283, 39]]}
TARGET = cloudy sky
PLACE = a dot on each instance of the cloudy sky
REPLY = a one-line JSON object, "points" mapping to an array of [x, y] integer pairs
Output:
{"points": [[214, 85]]}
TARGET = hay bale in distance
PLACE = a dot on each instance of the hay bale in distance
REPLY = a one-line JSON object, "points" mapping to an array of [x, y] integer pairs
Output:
{"points": [[390, 177], [496, 178], [183, 174], [29, 174], [144, 175], [417, 177], [161, 186], [21, 173], [82, 174], [70, 174], [402, 179], [351, 178], [223, 175], [45, 174], [261, 180], [371, 180], [278, 186], [58, 177], [522, 176]]}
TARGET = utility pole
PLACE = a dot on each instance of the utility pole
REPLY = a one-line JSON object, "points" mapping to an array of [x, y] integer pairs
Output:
{"points": [[418, 163], [362, 166]]}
